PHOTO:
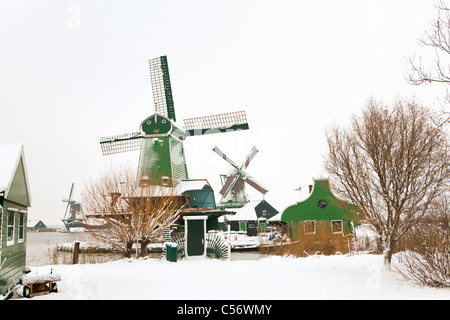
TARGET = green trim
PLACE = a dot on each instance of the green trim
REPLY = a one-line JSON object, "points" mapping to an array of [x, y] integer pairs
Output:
{"points": [[167, 88], [200, 132]]}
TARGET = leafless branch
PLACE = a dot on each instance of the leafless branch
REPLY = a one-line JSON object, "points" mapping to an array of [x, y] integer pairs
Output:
{"points": [[437, 38], [132, 214]]}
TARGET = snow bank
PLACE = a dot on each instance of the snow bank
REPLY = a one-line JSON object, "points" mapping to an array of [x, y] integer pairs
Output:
{"points": [[316, 277]]}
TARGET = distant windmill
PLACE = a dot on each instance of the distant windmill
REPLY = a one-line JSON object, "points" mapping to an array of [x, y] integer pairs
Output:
{"points": [[74, 215], [160, 141], [233, 189]]}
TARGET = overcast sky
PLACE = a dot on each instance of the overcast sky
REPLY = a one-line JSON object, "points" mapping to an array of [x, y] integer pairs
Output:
{"points": [[74, 71]]}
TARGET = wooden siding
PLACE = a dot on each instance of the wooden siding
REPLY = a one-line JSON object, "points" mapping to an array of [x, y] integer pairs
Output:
{"points": [[15, 253]]}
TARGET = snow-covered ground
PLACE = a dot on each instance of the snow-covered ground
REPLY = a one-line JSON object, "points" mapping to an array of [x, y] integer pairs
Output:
{"points": [[360, 276]]}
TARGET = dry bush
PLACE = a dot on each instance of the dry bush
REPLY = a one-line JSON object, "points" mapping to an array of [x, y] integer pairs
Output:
{"points": [[426, 256], [323, 241]]}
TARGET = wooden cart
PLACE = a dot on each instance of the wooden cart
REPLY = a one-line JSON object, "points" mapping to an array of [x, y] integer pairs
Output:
{"points": [[43, 283]]}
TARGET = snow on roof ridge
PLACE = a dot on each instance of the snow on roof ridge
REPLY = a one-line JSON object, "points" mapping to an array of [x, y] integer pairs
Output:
{"points": [[10, 155], [9, 159]]}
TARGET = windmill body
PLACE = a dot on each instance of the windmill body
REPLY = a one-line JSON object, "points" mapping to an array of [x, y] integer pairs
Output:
{"points": [[162, 160], [162, 154], [237, 196]]}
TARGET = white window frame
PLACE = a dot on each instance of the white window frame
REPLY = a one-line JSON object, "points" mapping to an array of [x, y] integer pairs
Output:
{"points": [[9, 241], [21, 227], [342, 227]]}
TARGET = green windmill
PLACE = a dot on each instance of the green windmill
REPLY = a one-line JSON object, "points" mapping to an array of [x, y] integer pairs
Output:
{"points": [[160, 140]]}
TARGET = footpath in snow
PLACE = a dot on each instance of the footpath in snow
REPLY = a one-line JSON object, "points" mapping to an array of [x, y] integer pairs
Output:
{"points": [[272, 278]]}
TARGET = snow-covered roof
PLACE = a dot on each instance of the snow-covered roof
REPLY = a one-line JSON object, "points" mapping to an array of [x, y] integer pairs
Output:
{"points": [[183, 186], [10, 155], [186, 185], [247, 212]]}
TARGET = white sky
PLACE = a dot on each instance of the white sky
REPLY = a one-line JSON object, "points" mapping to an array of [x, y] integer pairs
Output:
{"points": [[74, 71]]}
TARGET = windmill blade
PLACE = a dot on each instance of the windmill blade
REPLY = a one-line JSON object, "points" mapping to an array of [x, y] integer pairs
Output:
{"points": [[255, 184], [161, 88], [121, 143], [220, 153], [225, 122], [249, 158], [70, 194], [229, 183], [68, 201]]}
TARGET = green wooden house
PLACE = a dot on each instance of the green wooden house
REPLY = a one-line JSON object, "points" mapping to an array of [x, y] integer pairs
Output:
{"points": [[14, 204], [35, 225], [322, 207]]}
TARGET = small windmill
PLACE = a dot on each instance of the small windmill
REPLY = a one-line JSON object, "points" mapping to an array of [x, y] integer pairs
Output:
{"points": [[162, 159], [74, 215], [233, 189]]}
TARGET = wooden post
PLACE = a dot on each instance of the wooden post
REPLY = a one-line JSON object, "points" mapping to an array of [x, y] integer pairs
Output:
{"points": [[76, 252], [229, 242]]}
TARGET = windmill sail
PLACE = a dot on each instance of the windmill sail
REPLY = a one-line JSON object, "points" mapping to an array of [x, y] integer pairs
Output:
{"points": [[121, 143], [225, 122], [255, 184], [162, 90], [249, 158], [224, 156], [68, 201], [229, 183]]}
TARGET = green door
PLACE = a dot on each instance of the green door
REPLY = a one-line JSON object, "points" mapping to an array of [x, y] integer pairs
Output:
{"points": [[195, 237]]}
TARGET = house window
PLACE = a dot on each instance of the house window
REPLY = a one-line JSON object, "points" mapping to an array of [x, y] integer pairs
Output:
{"points": [[10, 229], [21, 226], [310, 227], [336, 226]]}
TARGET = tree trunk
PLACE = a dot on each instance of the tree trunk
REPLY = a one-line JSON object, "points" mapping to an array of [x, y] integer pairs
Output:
{"points": [[389, 246], [144, 244], [127, 249]]}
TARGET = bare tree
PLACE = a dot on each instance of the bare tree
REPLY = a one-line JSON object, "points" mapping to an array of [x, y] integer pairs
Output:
{"points": [[437, 38], [132, 212], [391, 164]]}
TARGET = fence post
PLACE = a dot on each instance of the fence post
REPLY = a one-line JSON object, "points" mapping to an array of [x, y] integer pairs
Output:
{"points": [[76, 252]]}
